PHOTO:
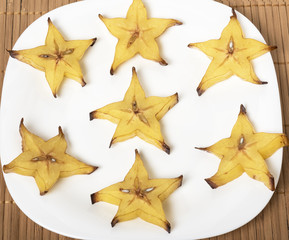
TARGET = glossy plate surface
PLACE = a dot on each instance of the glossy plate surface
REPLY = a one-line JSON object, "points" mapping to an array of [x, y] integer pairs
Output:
{"points": [[194, 210]]}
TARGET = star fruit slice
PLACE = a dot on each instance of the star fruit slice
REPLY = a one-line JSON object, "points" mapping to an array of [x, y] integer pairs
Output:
{"points": [[58, 58], [231, 55], [136, 34], [137, 115], [245, 151], [139, 196], [46, 161]]}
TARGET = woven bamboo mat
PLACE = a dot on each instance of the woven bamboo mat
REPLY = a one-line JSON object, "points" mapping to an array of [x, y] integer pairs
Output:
{"points": [[271, 17]]}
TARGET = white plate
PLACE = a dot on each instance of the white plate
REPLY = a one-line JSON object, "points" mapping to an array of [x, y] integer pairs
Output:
{"points": [[194, 210]]}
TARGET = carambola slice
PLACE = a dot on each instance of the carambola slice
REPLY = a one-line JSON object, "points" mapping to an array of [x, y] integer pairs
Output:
{"points": [[58, 58], [139, 196], [46, 161], [137, 115], [136, 34], [231, 55], [245, 151]]}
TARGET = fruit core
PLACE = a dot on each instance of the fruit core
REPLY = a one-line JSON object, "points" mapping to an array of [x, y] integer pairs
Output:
{"points": [[231, 47], [139, 113], [47, 158], [241, 143], [140, 193], [58, 54], [134, 36]]}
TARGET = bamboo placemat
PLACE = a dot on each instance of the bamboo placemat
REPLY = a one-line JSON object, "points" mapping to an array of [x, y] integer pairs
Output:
{"points": [[271, 17]]}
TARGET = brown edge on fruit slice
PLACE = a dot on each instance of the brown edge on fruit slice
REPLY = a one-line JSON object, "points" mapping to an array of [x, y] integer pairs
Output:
{"points": [[177, 95], [20, 125], [83, 83], [272, 183], [91, 115], [111, 71], [167, 227], [136, 152], [243, 110], [111, 142], [43, 193], [181, 177], [49, 20], [93, 41], [203, 149], [200, 91], [93, 169], [262, 83], [60, 132], [163, 62], [271, 48], [100, 16], [285, 140], [211, 183], [13, 53], [114, 221], [177, 22], [166, 148], [234, 14], [93, 197]]}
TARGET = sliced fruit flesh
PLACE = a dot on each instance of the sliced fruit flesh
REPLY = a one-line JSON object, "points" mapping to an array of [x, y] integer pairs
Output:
{"points": [[57, 58], [136, 34], [139, 196], [231, 55], [46, 161], [137, 115], [245, 151]]}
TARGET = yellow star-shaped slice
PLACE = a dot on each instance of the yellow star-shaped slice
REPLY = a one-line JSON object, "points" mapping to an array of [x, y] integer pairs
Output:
{"points": [[136, 34], [137, 115], [139, 196], [245, 151], [58, 58], [46, 161], [231, 55]]}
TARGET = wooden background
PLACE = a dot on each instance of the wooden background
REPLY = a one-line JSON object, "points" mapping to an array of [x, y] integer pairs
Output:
{"points": [[271, 17]]}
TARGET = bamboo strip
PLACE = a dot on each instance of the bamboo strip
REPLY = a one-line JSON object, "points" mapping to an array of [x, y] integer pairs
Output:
{"points": [[239, 8], [30, 6], [2, 190], [14, 222], [24, 229], [37, 9], [8, 44], [2, 53], [255, 16], [23, 17], [16, 22], [52, 4]]}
